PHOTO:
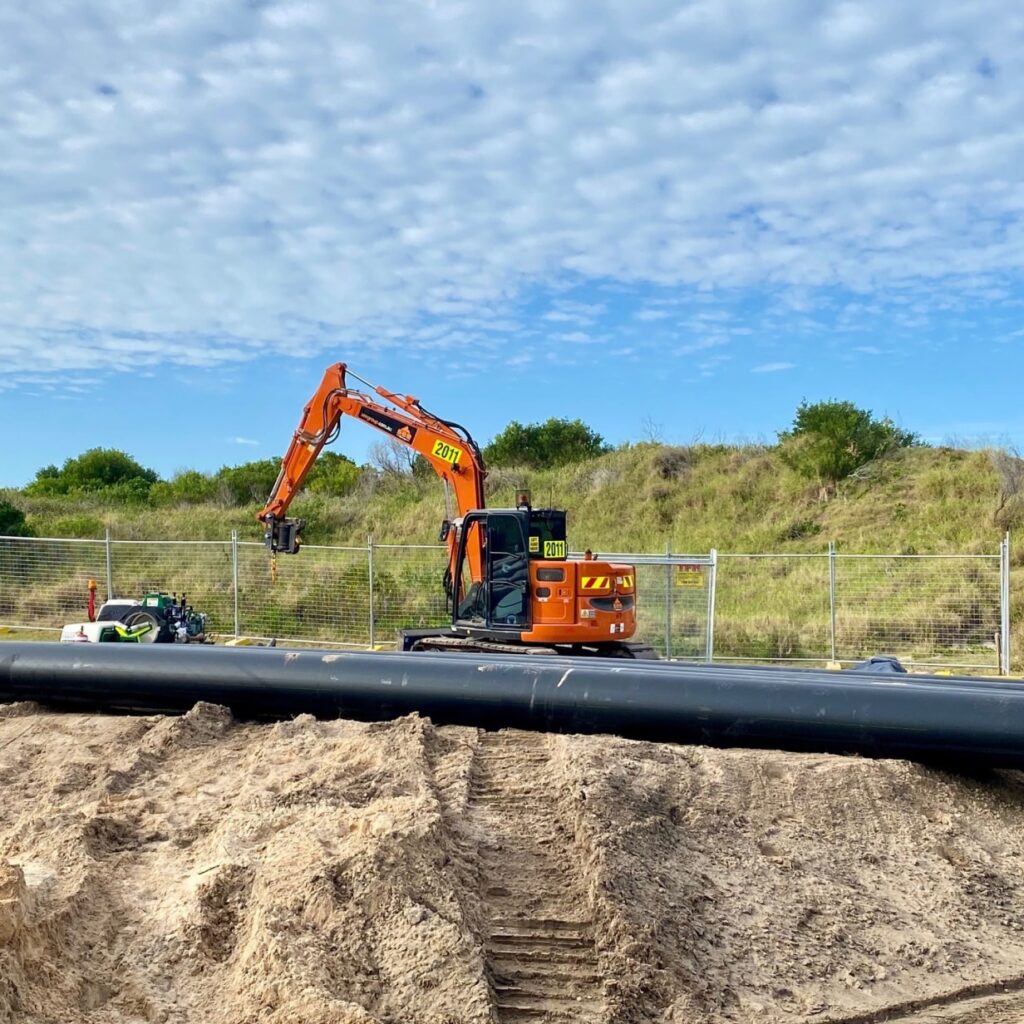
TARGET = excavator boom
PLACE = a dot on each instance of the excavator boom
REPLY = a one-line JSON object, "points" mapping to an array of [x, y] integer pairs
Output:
{"points": [[449, 448]]}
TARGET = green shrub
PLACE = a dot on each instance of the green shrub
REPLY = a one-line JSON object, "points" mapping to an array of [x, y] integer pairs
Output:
{"points": [[252, 481], [829, 440], [81, 527], [189, 487], [98, 469], [333, 474], [556, 442], [12, 521]]}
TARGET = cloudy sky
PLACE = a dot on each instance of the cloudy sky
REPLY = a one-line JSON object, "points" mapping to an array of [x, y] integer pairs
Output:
{"points": [[666, 218]]}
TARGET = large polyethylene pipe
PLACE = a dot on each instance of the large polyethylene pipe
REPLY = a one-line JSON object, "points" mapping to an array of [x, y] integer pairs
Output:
{"points": [[961, 721]]}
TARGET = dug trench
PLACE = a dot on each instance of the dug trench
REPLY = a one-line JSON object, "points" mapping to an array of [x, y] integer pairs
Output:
{"points": [[199, 869]]}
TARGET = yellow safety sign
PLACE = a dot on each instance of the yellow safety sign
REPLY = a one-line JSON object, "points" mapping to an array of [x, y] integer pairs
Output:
{"points": [[690, 576], [554, 549], [594, 582]]}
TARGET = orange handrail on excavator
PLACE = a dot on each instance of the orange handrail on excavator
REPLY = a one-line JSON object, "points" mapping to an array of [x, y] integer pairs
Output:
{"points": [[509, 582]]}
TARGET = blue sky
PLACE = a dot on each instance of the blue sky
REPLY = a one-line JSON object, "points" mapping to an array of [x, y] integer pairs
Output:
{"points": [[661, 217]]}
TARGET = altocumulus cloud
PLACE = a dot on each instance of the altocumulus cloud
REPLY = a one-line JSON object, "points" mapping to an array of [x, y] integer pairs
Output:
{"points": [[772, 367], [261, 174]]}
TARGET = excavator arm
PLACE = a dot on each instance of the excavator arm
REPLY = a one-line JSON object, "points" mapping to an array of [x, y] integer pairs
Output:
{"points": [[449, 448]]}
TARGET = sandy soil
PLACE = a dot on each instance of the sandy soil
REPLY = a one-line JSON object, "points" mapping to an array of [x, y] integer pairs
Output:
{"points": [[197, 869]]}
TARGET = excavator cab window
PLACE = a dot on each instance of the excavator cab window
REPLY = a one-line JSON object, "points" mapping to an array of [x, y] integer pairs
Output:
{"points": [[470, 593], [547, 534], [495, 541], [507, 570]]}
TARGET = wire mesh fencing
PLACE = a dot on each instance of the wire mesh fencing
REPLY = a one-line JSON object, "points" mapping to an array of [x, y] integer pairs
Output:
{"points": [[928, 610], [43, 584], [408, 589], [773, 608], [322, 595], [201, 571]]}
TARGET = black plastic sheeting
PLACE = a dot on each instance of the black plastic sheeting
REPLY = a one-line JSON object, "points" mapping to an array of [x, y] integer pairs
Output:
{"points": [[964, 722], [880, 664]]}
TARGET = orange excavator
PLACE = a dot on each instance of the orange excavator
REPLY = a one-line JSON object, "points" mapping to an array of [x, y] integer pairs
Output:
{"points": [[510, 585]]}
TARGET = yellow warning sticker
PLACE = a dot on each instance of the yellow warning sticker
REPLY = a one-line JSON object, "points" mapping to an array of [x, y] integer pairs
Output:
{"points": [[594, 582], [534, 545]]}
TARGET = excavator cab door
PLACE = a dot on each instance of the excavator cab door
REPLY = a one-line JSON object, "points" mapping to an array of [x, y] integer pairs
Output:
{"points": [[493, 577]]}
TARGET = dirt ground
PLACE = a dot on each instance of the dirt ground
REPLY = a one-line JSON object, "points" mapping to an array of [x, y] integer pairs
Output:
{"points": [[197, 869]]}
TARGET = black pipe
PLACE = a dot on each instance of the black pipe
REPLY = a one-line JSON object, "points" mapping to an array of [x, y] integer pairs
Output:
{"points": [[962, 721]]}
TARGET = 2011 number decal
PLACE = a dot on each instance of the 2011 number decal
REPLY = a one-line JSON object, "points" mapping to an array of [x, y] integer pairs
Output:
{"points": [[446, 451], [554, 549]]}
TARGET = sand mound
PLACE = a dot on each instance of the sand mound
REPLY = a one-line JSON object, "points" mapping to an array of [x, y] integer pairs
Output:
{"points": [[196, 869]]}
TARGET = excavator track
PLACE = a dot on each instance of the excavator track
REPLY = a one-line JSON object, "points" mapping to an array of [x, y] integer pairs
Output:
{"points": [[470, 645], [542, 962], [473, 645]]}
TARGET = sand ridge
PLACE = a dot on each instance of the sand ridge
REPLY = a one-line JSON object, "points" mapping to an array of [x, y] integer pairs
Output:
{"points": [[201, 869]]}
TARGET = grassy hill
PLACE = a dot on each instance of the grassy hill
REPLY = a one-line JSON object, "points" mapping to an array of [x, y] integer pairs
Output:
{"points": [[639, 498], [642, 497]]}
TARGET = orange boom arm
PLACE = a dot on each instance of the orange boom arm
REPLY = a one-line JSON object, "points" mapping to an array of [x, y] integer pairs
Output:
{"points": [[448, 447]]}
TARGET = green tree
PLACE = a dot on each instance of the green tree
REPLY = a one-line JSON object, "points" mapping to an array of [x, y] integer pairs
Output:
{"points": [[249, 482], [557, 442], [333, 474], [187, 487], [12, 521], [98, 469], [829, 440]]}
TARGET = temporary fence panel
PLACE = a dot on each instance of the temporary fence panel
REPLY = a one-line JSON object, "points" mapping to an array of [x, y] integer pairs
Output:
{"points": [[408, 589], [772, 608], [200, 571], [44, 583], [924, 609], [322, 594]]}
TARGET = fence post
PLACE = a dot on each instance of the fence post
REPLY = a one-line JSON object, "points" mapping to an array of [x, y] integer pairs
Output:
{"points": [[369, 565], [1004, 605], [234, 577], [709, 643], [668, 601], [110, 566], [832, 594]]}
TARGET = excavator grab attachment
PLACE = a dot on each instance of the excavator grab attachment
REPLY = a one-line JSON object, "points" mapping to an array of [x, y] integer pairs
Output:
{"points": [[283, 536]]}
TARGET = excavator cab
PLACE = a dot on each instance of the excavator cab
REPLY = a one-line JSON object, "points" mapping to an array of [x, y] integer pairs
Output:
{"points": [[492, 591]]}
